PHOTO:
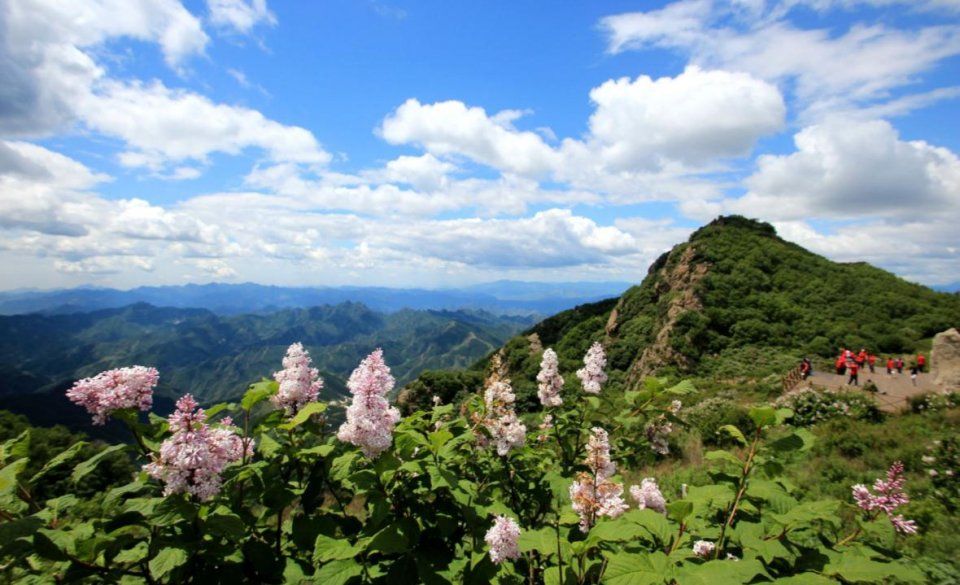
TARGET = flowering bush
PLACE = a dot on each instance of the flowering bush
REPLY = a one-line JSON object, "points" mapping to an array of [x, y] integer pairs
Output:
{"points": [[942, 464], [453, 494], [934, 401], [811, 406]]}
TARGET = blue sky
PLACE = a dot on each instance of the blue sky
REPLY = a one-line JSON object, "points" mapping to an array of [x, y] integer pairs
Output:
{"points": [[441, 143]]}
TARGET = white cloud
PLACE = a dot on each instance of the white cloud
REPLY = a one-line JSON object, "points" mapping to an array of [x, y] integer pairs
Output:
{"points": [[164, 125], [827, 71], [240, 15], [845, 168], [425, 172]]}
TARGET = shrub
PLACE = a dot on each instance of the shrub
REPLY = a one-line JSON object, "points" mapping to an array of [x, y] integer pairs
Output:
{"points": [[811, 406]]}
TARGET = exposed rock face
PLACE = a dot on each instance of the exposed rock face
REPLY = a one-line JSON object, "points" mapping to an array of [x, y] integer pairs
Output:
{"points": [[677, 287], [945, 359]]}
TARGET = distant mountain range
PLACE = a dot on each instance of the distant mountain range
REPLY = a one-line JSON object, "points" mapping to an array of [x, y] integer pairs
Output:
{"points": [[215, 356], [502, 297]]}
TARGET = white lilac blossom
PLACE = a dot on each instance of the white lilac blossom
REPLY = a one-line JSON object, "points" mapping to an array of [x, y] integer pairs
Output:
{"points": [[193, 457], [114, 390], [591, 374], [503, 538], [888, 496], [648, 495], [593, 494], [549, 380], [299, 383], [703, 548], [370, 418], [657, 432], [506, 430]]}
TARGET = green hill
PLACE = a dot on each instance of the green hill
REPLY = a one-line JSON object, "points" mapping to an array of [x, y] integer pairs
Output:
{"points": [[735, 299], [216, 357]]}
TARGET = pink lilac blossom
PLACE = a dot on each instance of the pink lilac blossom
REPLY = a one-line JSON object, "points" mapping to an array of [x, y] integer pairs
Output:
{"points": [[193, 458], [503, 538], [545, 427], [506, 430], [648, 495], [299, 383], [592, 375], [888, 496], [593, 494], [703, 548], [370, 418], [549, 380], [114, 390], [657, 433]]}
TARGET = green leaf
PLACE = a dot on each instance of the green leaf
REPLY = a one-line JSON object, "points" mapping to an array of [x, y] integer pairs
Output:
{"points": [[679, 510], [333, 549], [684, 387], [319, 450], [734, 432], [722, 572], [268, 446], [174, 509], [763, 416], [395, 538], [61, 458], [167, 560], [637, 569], [133, 555], [20, 528], [258, 393], [52, 544], [338, 572], [721, 455], [225, 524], [16, 448], [304, 415], [859, 569], [8, 476], [85, 468]]}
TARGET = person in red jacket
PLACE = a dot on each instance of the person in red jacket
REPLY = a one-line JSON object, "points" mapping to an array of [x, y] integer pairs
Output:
{"points": [[890, 365], [872, 360], [854, 377], [921, 361], [841, 365], [900, 365]]}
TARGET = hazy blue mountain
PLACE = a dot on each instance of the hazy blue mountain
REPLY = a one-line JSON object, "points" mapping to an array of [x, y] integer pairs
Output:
{"points": [[215, 356], [501, 297]]}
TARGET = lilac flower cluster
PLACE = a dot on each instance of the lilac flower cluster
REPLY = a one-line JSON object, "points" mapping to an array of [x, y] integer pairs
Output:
{"points": [[703, 548], [648, 495], [299, 383], [888, 497], [503, 539], [593, 494], [192, 459], [591, 374], [506, 430], [657, 432], [549, 380], [114, 390], [370, 418]]}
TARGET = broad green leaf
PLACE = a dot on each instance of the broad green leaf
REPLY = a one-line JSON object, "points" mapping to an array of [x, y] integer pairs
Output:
{"points": [[52, 544], [8, 476], [637, 569], [735, 433], [19, 528], [16, 448], [304, 415], [258, 393], [133, 555], [679, 510], [85, 468], [859, 569], [172, 510], [395, 538], [268, 446], [721, 572], [684, 387], [225, 524], [319, 450], [167, 560], [333, 549], [338, 572], [722, 455], [763, 416], [61, 458]]}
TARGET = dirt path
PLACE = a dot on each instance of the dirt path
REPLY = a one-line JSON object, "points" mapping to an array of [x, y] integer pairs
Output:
{"points": [[894, 391]]}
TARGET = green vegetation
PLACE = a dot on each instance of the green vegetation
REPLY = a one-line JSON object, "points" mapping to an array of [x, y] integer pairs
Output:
{"points": [[215, 357]]}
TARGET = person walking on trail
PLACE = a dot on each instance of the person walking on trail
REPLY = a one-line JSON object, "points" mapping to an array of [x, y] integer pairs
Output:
{"points": [[921, 361], [890, 366], [806, 368], [862, 358], [913, 375], [900, 365], [872, 360], [841, 365], [854, 375]]}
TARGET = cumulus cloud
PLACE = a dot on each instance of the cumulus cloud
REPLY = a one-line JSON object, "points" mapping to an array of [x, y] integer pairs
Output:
{"points": [[847, 168], [165, 125], [827, 71]]}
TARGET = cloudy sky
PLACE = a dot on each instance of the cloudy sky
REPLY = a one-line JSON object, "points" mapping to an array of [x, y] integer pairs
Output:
{"points": [[435, 143]]}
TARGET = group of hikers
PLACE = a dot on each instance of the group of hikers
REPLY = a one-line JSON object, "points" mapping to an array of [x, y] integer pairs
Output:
{"points": [[852, 364]]}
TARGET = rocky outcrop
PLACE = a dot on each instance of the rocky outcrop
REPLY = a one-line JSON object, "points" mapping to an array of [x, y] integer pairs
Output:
{"points": [[945, 359], [676, 294]]}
